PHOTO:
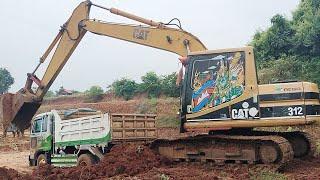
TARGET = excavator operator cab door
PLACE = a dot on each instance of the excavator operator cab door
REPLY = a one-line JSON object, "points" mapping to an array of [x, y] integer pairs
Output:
{"points": [[221, 85]]}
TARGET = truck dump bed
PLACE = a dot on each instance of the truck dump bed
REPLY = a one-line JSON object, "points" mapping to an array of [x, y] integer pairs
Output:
{"points": [[100, 129], [132, 127]]}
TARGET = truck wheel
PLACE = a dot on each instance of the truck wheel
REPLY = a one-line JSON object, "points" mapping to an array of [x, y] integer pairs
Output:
{"points": [[85, 160], [42, 160]]}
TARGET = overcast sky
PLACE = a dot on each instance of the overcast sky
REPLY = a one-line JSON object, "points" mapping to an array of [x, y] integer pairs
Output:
{"points": [[28, 27]]}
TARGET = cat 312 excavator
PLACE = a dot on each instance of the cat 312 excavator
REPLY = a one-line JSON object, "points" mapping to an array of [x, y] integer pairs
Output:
{"points": [[221, 101]]}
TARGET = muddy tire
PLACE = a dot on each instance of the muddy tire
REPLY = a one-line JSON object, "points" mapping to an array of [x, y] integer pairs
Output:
{"points": [[85, 160], [42, 160]]}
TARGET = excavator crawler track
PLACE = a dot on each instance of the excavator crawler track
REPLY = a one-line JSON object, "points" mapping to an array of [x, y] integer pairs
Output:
{"points": [[222, 148], [302, 143]]}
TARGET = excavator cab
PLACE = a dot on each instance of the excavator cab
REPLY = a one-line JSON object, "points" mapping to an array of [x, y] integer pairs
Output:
{"points": [[220, 85], [221, 92]]}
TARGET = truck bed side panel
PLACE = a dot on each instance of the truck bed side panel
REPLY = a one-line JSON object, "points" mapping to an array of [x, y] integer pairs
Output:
{"points": [[86, 130], [133, 127]]}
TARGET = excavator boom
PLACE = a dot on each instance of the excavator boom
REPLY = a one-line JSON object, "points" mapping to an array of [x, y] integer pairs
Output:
{"points": [[19, 108]]}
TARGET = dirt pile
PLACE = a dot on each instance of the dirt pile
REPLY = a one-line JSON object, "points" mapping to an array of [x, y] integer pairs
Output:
{"points": [[125, 160], [132, 161], [308, 168], [5, 110], [8, 174], [195, 171]]}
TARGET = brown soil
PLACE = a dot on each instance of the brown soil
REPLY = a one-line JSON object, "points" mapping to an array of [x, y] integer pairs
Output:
{"points": [[304, 169], [114, 105], [124, 159], [6, 111], [126, 162], [123, 162], [11, 174]]}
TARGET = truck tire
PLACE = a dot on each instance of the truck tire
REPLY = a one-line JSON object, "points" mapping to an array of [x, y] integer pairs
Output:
{"points": [[42, 160], [85, 160]]}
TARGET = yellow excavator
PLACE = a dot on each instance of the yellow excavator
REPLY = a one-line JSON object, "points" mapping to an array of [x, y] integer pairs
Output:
{"points": [[221, 101]]}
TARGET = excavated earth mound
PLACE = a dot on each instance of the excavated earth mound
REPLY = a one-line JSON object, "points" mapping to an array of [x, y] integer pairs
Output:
{"points": [[11, 174], [124, 159], [133, 161]]}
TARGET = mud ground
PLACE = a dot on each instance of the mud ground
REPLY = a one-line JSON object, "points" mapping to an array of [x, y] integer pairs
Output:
{"points": [[125, 162]]}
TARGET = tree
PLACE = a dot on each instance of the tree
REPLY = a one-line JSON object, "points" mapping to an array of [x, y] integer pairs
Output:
{"points": [[6, 80], [49, 94], [95, 93], [151, 84], [306, 22], [282, 69], [274, 42], [291, 46], [125, 88], [60, 90], [168, 85]]}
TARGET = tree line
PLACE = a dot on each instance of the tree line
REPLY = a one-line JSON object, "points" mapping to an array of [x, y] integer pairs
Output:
{"points": [[152, 85], [290, 48]]}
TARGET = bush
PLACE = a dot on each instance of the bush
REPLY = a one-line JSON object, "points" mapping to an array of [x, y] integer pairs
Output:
{"points": [[49, 94], [95, 93], [148, 106], [151, 84], [283, 69], [168, 85], [125, 88]]}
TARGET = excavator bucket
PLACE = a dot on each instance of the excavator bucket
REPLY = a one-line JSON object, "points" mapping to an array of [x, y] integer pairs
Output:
{"points": [[17, 109]]}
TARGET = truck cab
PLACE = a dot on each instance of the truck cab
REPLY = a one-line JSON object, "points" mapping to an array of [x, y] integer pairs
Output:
{"points": [[41, 139], [66, 138]]}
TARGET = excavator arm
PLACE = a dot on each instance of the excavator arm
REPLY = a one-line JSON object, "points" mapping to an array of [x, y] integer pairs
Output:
{"points": [[19, 108]]}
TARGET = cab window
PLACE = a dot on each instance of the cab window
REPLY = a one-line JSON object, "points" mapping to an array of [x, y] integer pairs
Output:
{"points": [[44, 123], [40, 124], [217, 79], [36, 128]]}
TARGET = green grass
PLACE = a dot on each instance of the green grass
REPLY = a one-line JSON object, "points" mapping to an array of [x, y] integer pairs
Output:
{"points": [[168, 121], [148, 106], [266, 175], [164, 177]]}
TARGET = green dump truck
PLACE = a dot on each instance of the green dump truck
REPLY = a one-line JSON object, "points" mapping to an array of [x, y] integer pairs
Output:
{"points": [[82, 136]]}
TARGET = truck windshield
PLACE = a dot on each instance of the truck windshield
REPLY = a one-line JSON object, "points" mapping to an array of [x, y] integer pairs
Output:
{"points": [[40, 124]]}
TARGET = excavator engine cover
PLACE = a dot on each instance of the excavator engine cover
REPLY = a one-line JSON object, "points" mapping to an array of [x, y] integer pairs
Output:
{"points": [[17, 109]]}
